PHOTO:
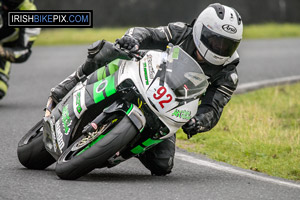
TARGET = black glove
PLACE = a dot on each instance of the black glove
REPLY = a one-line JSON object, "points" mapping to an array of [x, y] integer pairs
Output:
{"points": [[128, 42], [193, 127]]}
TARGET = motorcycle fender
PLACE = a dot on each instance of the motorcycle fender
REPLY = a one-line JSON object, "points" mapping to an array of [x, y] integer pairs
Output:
{"points": [[132, 111]]}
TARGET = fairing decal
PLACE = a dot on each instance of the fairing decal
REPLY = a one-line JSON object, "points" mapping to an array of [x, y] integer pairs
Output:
{"points": [[79, 104], [104, 88]]}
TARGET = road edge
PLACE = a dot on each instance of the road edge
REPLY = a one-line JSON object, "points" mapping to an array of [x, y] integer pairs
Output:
{"points": [[248, 87], [221, 166]]}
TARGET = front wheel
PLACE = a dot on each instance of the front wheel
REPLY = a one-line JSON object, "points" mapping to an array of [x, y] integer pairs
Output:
{"points": [[94, 149], [31, 150]]}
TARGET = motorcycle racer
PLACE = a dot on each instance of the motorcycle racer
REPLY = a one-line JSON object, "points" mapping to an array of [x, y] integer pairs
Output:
{"points": [[212, 40], [15, 43]]}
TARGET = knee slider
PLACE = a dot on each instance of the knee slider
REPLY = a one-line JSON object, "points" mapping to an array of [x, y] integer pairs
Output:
{"points": [[163, 166]]}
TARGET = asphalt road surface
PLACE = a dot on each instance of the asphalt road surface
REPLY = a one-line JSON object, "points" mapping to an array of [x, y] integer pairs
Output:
{"points": [[193, 177]]}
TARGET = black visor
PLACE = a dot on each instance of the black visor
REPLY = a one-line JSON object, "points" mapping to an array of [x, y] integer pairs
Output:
{"points": [[218, 44]]}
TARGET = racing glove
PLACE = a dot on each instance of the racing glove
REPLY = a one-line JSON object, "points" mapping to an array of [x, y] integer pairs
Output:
{"points": [[128, 42], [193, 127]]}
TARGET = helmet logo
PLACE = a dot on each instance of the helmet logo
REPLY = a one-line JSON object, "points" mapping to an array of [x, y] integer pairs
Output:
{"points": [[217, 57], [229, 29]]}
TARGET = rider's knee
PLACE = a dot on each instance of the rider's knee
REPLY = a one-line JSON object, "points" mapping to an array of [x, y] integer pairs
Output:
{"points": [[160, 159]]}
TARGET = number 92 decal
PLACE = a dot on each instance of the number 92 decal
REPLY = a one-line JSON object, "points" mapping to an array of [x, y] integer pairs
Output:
{"points": [[161, 96]]}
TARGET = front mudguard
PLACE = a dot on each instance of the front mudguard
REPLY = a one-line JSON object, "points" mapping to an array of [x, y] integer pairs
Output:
{"points": [[132, 111]]}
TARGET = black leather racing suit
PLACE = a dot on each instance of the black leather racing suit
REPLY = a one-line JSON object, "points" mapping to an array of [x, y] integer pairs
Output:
{"points": [[223, 81]]}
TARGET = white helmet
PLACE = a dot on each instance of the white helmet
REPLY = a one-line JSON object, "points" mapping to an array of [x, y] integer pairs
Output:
{"points": [[217, 33]]}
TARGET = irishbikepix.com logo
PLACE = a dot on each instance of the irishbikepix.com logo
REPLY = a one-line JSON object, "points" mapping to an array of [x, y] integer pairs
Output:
{"points": [[49, 19]]}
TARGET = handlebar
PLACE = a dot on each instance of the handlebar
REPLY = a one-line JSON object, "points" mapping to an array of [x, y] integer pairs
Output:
{"points": [[136, 55]]}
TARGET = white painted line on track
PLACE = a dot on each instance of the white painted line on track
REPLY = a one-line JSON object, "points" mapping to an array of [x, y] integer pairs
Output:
{"points": [[247, 87], [231, 170]]}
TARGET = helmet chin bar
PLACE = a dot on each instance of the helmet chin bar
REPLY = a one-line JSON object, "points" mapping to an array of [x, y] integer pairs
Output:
{"points": [[214, 59], [210, 57]]}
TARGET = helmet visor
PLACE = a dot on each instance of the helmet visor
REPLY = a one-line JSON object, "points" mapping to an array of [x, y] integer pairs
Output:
{"points": [[217, 43]]}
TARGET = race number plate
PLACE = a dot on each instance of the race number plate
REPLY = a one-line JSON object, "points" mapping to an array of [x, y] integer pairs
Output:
{"points": [[161, 96]]}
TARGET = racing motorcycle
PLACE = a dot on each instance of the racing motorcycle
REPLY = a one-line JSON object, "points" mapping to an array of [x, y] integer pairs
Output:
{"points": [[101, 121]]}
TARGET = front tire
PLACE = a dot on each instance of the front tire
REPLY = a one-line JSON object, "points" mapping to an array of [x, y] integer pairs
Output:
{"points": [[82, 157], [31, 150]]}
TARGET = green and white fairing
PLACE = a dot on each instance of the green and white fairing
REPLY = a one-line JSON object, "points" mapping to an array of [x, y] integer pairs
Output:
{"points": [[170, 82], [61, 126]]}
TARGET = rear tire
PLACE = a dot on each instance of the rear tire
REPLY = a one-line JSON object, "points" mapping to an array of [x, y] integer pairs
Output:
{"points": [[31, 150], [79, 160]]}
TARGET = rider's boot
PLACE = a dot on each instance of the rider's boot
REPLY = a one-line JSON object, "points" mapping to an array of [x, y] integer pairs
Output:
{"points": [[58, 92]]}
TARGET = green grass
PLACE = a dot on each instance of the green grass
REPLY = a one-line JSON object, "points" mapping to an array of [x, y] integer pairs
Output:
{"points": [[258, 131], [88, 36], [271, 30], [78, 36]]}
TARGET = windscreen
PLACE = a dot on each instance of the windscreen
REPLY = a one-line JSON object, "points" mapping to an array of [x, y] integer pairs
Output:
{"points": [[184, 75]]}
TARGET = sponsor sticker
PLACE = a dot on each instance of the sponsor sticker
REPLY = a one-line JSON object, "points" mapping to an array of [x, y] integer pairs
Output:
{"points": [[182, 114], [79, 106], [146, 74], [59, 136], [101, 86], [66, 119], [53, 136], [150, 66], [175, 54]]}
